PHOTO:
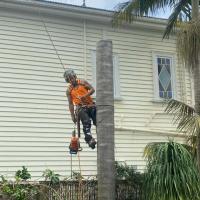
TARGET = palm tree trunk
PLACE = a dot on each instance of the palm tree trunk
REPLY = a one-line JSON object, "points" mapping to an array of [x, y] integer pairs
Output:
{"points": [[105, 122], [195, 9], [196, 78]]}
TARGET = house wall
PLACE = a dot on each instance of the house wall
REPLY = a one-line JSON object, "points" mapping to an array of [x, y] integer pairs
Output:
{"points": [[35, 124]]}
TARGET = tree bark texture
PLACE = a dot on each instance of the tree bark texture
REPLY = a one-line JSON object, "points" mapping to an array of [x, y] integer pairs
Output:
{"points": [[196, 77], [195, 9], [105, 121]]}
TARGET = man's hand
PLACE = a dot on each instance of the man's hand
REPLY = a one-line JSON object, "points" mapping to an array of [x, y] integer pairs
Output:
{"points": [[82, 98]]}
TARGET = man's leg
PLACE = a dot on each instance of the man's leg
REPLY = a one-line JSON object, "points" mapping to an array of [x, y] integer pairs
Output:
{"points": [[92, 114], [86, 122]]}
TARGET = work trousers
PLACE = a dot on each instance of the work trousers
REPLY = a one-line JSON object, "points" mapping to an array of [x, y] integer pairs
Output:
{"points": [[86, 115]]}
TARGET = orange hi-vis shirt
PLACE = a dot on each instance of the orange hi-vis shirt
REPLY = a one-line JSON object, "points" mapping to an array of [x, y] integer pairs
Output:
{"points": [[79, 91]]}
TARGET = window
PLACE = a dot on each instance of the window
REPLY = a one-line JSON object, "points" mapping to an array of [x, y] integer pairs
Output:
{"points": [[116, 78], [164, 76]]}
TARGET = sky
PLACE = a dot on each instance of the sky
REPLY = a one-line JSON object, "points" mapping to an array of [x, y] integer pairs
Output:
{"points": [[107, 5]]}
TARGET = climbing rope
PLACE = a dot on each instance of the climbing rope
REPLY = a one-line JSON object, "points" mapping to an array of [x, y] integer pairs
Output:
{"points": [[49, 36], [78, 125], [77, 150], [79, 162]]}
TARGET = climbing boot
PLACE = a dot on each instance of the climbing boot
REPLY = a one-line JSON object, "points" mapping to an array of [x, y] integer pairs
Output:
{"points": [[92, 143]]}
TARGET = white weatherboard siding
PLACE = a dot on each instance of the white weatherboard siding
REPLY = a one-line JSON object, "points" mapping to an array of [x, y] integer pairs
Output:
{"points": [[35, 124]]}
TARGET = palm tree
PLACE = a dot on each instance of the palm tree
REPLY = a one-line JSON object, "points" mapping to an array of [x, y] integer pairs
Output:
{"points": [[188, 40], [105, 122], [171, 173], [189, 51]]}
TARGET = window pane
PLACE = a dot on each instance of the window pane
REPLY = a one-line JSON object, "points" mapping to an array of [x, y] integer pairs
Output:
{"points": [[161, 94], [168, 61], [165, 95], [161, 87], [159, 60], [168, 68], [169, 94], [164, 77], [169, 87], [163, 60], [159, 68]]}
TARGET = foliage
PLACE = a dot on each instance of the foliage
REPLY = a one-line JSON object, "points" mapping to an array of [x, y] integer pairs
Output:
{"points": [[128, 181], [188, 42], [187, 120], [181, 13], [51, 176], [23, 174], [76, 176], [21, 189], [18, 190], [171, 174], [184, 116], [128, 173], [129, 10]]}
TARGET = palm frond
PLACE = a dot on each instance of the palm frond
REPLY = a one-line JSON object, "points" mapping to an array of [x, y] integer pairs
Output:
{"points": [[124, 12], [180, 108], [127, 11], [172, 172], [181, 12], [192, 144], [152, 6], [188, 43], [184, 116]]}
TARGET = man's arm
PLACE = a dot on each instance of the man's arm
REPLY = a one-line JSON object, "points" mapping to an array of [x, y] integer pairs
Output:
{"points": [[89, 87], [71, 106]]}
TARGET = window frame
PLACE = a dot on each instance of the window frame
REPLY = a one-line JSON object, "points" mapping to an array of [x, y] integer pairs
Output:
{"points": [[171, 56]]}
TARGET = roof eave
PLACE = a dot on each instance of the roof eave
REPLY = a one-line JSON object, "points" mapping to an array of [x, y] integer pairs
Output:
{"points": [[87, 12]]}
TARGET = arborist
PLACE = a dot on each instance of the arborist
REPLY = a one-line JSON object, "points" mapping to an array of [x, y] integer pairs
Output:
{"points": [[81, 104]]}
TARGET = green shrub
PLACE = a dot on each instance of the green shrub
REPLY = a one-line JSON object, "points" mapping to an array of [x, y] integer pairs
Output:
{"points": [[51, 177], [172, 173], [129, 174], [18, 189], [23, 174]]}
